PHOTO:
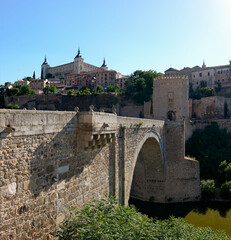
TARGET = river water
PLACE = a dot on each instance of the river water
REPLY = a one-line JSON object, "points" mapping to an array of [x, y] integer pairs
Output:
{"points": [[214, 215]]}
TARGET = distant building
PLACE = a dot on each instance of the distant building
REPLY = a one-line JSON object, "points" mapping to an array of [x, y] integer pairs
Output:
{"points": [[210, 76], [171, 72], [78, 73], [20, 83], [38, 84]]}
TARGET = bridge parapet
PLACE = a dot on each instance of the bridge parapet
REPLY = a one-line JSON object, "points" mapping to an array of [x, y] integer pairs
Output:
{"points": [[96, 129]]}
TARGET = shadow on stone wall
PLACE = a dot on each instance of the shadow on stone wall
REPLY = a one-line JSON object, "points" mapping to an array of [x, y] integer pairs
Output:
{"points": [[58, 158], [49, 174]]}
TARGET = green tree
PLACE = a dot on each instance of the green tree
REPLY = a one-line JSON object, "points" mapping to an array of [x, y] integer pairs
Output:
{"points": [[140, 85], [224, 171], [226, 190], [49, 75], [71, 92], [25, 90], [210, 146], [42, 73], [6, 83], [27, 78], [13, 91], [52, 89], [110, 88], [207, 189], [99, 89], [116, 87], [34, 75]]}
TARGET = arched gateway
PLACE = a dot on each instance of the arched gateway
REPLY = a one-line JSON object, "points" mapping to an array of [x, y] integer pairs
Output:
{"points": [[148, 174]]}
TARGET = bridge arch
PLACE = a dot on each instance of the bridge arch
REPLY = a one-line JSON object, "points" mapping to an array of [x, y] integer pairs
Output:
{"points": [[147, 174]]}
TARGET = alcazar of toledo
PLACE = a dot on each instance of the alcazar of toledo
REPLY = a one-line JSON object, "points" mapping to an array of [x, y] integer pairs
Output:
{"points": [[81, 73]]}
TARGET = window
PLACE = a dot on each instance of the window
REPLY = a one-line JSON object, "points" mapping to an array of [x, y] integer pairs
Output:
{"points": [[170, 95], [194, 76], [218, 72], [200, 74], [223, 80], [208, 73]]}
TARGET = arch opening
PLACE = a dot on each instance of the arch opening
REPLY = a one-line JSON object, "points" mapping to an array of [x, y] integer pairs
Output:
{"points": [[148, 181], [171, 116]]}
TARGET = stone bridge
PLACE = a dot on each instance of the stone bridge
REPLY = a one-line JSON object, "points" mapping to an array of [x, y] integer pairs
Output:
{"points": [[51, 160]]}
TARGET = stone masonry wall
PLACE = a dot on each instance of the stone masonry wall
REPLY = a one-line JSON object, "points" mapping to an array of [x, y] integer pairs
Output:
{"points": [[50, 161], [182, 174], [210, 108], [42, 173]]}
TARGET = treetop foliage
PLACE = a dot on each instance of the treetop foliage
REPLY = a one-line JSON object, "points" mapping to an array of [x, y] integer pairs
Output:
{"points": [[51, 89], [140, 85], [23, 90]]}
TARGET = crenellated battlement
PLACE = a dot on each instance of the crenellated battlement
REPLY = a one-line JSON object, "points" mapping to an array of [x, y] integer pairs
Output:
{"points": [[171, 77]]}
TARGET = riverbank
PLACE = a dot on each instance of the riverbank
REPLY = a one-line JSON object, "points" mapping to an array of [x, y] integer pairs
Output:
{"points": [[214, 214]]}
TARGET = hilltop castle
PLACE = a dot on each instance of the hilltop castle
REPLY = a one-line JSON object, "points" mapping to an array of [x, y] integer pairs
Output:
{"points": [[77, 66], [80, 73]]}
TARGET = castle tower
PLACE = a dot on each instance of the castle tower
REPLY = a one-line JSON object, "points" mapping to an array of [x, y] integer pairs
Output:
{"points": [[104, 65], [204, 66], [170, 98], [44, 68], [78, 60]]}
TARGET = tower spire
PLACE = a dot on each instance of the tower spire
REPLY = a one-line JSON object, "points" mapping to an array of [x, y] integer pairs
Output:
{"points": [[104, 63], [203, 66], [79, 54], [45, 60]]}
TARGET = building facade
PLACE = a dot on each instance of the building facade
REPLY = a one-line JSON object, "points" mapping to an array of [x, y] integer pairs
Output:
{"points": [[78, 73], [210, 76]]}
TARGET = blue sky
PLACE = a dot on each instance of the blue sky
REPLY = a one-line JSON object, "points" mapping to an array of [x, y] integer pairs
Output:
{"points": [[130, 34]]}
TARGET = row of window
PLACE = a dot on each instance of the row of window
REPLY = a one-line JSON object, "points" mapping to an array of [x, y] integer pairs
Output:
{"points": [[223, 71]]}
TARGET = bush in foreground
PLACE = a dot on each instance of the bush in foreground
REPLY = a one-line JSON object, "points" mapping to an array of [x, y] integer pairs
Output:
{"points": [[105, 219]]}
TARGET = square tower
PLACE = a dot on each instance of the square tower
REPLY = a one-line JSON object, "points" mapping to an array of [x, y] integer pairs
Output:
{"points": [[170, 98]]}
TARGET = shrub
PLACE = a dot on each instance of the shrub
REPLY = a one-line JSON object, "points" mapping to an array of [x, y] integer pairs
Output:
{"points": [[224, 171], [226, 190], [10, 106], [71, 92], [207, 188], [105, 219]]}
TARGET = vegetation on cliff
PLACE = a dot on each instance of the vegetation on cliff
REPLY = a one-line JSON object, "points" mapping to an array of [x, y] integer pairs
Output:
{"points": [[140, 85], [201, 91], [210, 146], [105, 219], [20, 90]]}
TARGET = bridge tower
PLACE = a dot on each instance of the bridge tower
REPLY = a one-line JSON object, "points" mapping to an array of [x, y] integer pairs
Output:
{"points": [[170, 98]]}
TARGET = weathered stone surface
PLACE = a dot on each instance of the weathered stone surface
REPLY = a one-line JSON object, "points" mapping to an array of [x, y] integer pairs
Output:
{"points": [[54, 160]]}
